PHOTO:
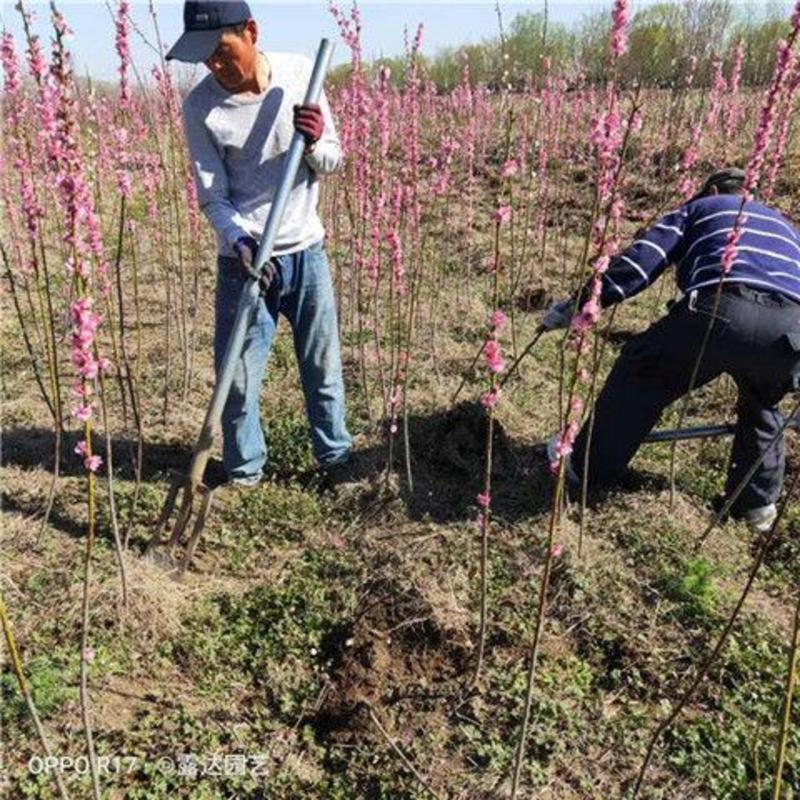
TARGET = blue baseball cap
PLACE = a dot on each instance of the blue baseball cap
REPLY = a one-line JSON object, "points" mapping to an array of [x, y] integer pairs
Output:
{"points": [[203, 23]]}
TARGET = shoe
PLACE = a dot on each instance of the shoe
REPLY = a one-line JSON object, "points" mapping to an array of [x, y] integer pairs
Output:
{"points": [[247, 481], [214, 476], [760, 520], [339, 475]]}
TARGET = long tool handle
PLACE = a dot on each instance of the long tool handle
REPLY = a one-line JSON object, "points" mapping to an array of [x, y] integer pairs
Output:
{"points": [[250, 294], [292, 162], [704, 432], [679, 434]]}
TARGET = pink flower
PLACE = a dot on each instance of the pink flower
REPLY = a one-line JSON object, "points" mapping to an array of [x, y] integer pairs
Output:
{"points": [[82, 413], [556, 550], [81, 390], [86, 364], [88, 654], [396, 260], [563, 445], [731, 249], [80, 448], [92, 463], [498, 319], [502, 214], [491, 398], [581, 324], [580, 344], [494, 358], [510, 168], [591, 308], [123, 50], [766, 118], [484, 499], [10, 62], [619, 32], [601, 264]]}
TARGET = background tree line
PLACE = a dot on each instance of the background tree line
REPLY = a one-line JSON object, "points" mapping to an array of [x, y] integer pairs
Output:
{"points": [[664, 40]]}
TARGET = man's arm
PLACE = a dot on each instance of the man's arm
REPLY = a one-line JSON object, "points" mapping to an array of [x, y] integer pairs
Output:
{"points": [[211, 178], [645, 259], [629, 272]]}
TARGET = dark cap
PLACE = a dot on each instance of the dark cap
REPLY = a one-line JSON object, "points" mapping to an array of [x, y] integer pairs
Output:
{"points": [[203, 23], [726, 181]]}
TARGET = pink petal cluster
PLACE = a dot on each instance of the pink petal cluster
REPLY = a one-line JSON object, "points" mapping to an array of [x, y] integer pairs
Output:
{"points": [[484, 499], [91, 462], [731, 244], [491, 398], [494, 357], [620, 18], [590, 311], [497, 320], [601, 264], [510, 168], [398, 265], [442, 165], [606, 137], [501, 215], [766, 118], [796, 17], [84, 326], [691, 155], [10, 62], [123, 50], [17, 108], [719, 88], [564, 444], [784, 125], [734, 82]]}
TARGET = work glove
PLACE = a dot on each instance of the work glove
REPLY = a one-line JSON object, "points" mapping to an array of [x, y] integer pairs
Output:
{"points": [[559, 315], [246, 249], [309, 122]]}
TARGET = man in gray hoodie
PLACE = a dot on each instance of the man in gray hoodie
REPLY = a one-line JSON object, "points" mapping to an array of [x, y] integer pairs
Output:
{"points": [[239, 122]]}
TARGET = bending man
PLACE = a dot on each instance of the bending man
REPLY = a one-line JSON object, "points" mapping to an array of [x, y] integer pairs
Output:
{"points": [[755, 338]]}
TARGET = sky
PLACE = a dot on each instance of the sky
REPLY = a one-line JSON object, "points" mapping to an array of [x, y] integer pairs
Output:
{"points": [[296, 26]]}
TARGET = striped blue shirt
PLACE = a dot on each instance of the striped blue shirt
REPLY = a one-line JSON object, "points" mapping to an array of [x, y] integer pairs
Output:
{"points": [[693, 238]]}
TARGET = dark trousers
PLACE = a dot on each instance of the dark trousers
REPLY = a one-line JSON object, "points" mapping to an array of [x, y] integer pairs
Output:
{"points": [[755, 339]]}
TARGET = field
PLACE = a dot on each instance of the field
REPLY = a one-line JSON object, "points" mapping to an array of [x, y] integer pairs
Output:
{"points": [[326, 644]]}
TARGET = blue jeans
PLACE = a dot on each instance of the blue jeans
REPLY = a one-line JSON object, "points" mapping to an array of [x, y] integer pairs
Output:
{"points": [[303, 293]]}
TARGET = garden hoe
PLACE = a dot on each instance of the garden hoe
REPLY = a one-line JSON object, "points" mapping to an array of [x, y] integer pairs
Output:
{"points": [[190, 487]]}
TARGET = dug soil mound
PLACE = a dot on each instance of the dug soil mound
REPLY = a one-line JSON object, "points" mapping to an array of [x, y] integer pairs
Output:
{"points": [[394, 649]]}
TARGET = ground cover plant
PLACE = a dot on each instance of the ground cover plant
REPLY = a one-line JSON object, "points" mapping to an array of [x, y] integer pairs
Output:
{"points": [[448, 625]]}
